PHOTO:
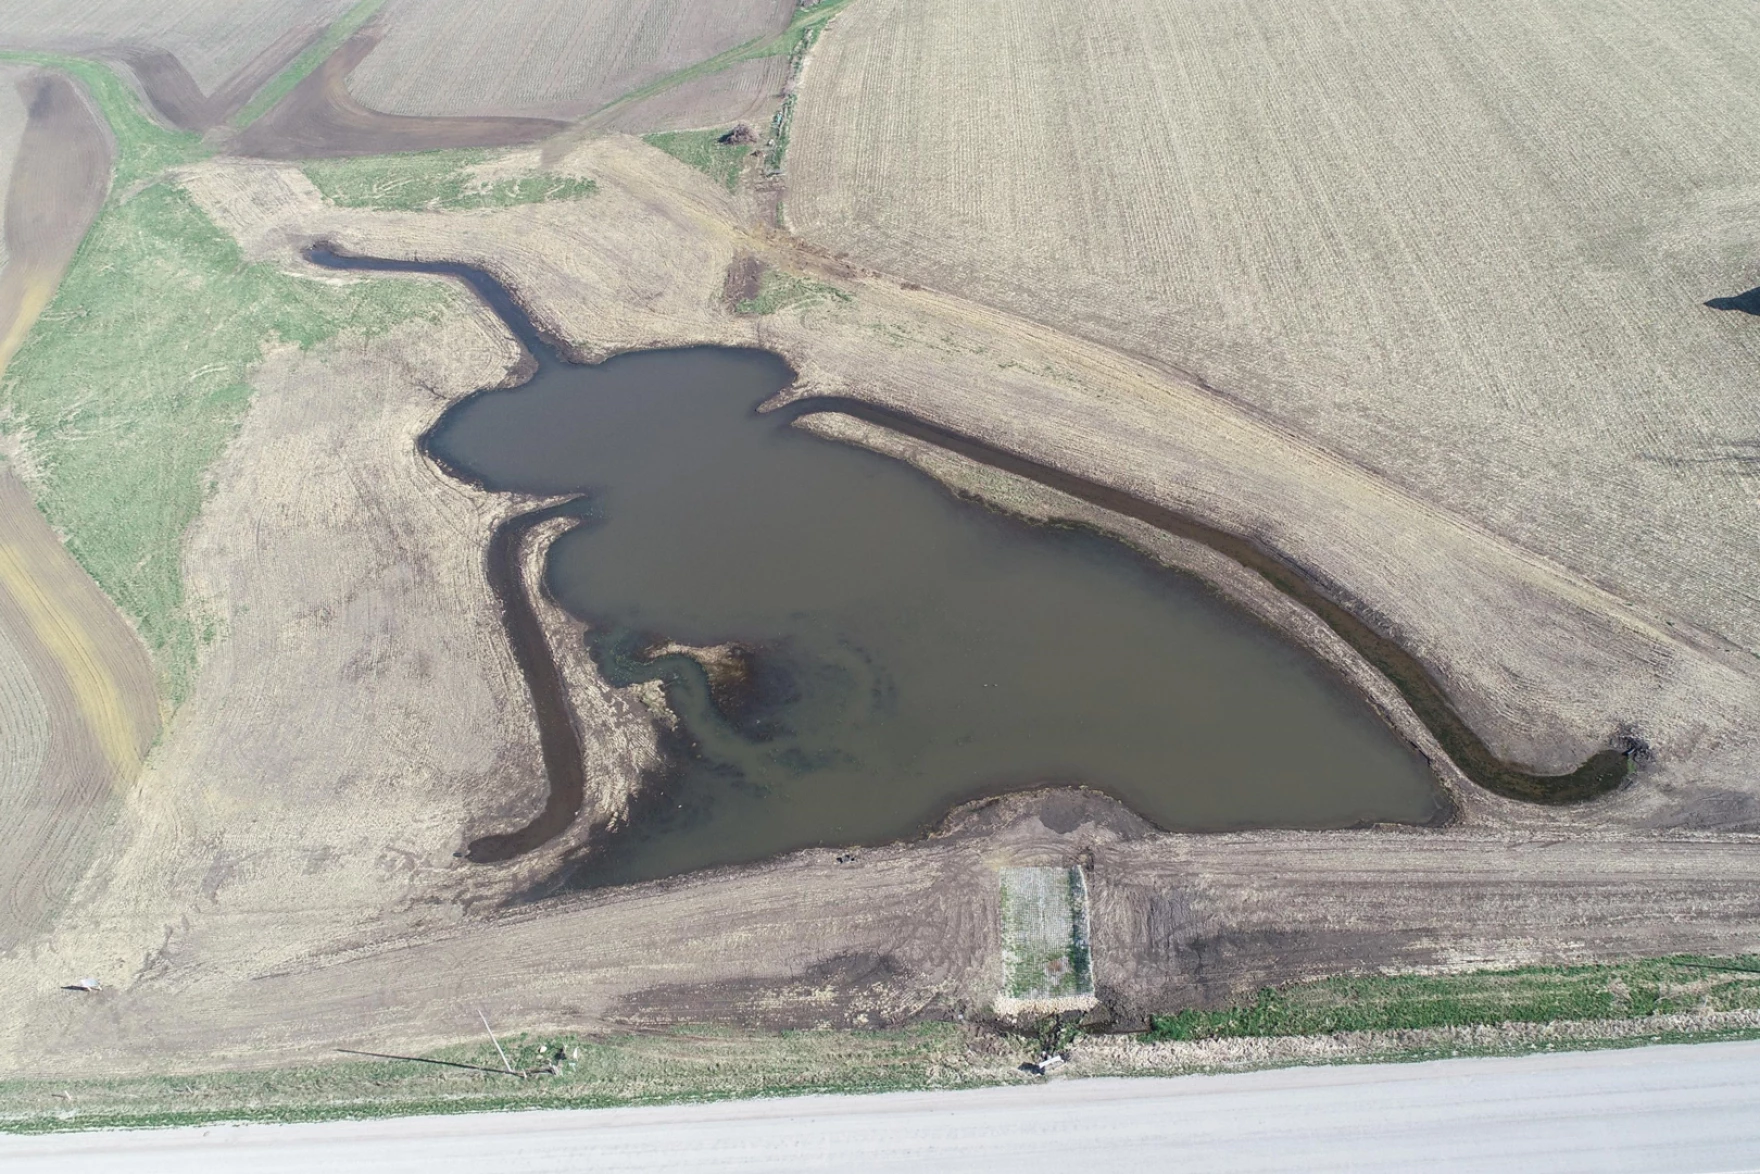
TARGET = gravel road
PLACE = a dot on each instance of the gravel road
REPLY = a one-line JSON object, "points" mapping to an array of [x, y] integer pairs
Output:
{"points": [[1683, 1108]]}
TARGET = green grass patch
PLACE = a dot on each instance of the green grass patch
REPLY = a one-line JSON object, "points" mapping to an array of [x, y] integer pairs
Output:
{"points": [[704, 150], [684, 1065], [784, 291], [136, 375], [1044, 933], [428, 181], [1536, 994], [279, 86], [144, 149]]}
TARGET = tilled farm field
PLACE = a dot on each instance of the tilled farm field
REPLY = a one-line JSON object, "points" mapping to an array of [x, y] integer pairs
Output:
{"points": [[1348, 361], [211, 39], [546, 58], [1463, 246]]}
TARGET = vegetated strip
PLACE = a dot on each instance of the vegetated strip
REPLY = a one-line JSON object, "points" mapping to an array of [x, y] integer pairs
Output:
{"points": [[806, 23], [1601, 773], [315, 54], [176, 96], [1603, 1003], [148, 342], [1635, 989]]}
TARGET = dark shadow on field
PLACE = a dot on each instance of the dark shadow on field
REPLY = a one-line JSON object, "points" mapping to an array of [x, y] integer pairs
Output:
{"points": [[1746, 303]]}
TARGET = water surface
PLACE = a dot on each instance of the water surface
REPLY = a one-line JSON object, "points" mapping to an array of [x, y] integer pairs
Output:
{"points": [[907, 650], [902, 650]]}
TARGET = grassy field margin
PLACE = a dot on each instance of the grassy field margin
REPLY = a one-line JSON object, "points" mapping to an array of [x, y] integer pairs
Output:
{"points": [[279, 86], [1339, 1020], [802, 29], [136, 375], [435, 181], [704, 150]]}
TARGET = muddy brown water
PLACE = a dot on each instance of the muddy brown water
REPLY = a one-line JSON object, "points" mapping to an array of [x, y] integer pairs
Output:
{"points": [[904, 650]]}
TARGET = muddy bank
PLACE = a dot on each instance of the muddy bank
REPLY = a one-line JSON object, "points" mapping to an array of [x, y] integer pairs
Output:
{"points": [[559, 742], [899, 651], [319, 118], [1600, 773]]}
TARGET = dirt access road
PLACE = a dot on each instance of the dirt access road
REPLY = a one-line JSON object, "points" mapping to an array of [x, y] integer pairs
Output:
{"points": [[1688, 1109]]}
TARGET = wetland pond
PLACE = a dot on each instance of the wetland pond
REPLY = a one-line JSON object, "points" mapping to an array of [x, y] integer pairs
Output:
{"points": [[904, 650]]}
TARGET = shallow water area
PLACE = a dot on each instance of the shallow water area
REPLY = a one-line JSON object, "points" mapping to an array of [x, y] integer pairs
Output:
{"points": [[903, 650]]}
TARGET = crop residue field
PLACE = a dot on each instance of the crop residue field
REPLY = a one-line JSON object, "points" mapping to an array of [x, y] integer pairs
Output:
{"points": [[1466, 246]]}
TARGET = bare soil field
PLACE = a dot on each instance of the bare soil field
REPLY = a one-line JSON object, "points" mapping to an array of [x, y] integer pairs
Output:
{"points": [[744, 92], [78, 712], [180, 101], [54, 188], [214, 40], [1463, 247], [13, 113], [78, 707], [320, 118], [558, 59]]}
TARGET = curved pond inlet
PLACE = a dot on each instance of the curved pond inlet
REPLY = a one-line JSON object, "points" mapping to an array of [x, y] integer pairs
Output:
{"points": [[851, 650]]}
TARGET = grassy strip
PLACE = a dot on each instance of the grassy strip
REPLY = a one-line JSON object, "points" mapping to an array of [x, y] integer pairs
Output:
{"points": [[706, 1064], [143, 148], [428, 181], [1044, 933], [805, 25], [569, 1072], [782, 291], [297, 70], [136, 375], [704, 150], [1536, 994]]}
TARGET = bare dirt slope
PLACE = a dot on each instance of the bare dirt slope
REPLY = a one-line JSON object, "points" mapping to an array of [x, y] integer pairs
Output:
{"points": [[212, 38], [911, 930], [1462, 246], [549, 58]]}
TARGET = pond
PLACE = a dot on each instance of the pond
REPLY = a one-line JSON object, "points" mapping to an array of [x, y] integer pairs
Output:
{"points": [[896, 650]]}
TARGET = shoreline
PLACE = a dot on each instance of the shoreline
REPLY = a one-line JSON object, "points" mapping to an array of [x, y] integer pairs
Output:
{"points": [[1601, 773]]}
